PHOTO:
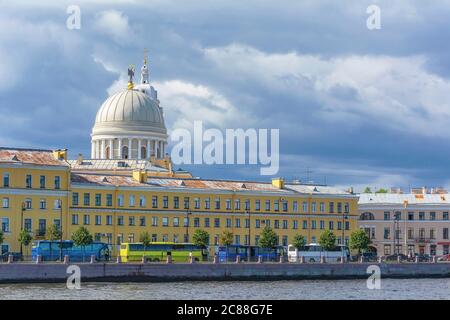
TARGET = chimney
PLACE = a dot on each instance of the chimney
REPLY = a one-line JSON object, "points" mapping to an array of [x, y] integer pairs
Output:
{"points": [[80, 159], [278, 183]]}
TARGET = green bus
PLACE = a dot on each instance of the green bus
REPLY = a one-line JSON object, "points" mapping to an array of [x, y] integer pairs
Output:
{"points": [[158, 251]]}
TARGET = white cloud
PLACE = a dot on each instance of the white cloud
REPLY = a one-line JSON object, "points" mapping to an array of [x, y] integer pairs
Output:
{"points": [[114, 24], [397, 92]]}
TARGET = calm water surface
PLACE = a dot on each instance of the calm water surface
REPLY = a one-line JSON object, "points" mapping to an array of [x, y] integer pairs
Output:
{"points": [[336, 289]]}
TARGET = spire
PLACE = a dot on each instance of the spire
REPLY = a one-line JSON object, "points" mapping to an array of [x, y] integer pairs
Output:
{"points": [[130, 77], [144, 69]]}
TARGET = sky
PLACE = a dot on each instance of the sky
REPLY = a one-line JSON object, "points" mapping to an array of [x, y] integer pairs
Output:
{"points": [[355, 107]]}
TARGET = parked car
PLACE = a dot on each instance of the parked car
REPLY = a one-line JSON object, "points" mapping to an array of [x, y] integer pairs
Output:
{"points": [[424, 257], [17, 256], [370, 256]]}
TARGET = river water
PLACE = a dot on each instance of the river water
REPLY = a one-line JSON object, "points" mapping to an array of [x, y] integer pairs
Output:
{"points": [[321, 289]]}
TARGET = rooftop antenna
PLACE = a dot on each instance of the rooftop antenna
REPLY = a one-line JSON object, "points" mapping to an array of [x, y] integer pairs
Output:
{"points": [[130, 77]]}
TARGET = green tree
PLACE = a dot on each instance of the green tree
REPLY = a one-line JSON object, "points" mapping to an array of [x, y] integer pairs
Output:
{"points": [[359, 240], [200, 238], [381, 190], [226, 238], [299, 241], [367, 190], [2, 237], [327, 240], [24, 238], [82, 237], [145, 239], [53, 234], [268, 238]]}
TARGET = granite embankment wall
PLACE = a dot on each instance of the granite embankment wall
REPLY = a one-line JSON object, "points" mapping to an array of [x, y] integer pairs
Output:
{"points": [[57, 272]]}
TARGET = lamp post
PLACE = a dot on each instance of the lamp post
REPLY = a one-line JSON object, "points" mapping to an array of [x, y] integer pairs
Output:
{"points": [[396, 233], [22, 210], [249, 238], [60, 230], [188, 212], [344, 217]]}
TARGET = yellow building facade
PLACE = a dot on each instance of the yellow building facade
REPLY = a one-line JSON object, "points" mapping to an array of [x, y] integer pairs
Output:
{"points": [[118, 208]]}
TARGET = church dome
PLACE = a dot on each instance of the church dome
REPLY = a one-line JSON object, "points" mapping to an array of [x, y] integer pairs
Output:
{"points": [[129, 111]]}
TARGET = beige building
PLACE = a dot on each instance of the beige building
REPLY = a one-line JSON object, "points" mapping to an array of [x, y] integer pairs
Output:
{"points": [[412, 223]]}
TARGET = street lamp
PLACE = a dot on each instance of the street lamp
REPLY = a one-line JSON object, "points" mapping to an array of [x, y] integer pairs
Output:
{"points": [[396, 232], [22, 210], [60, 230], [344, 217], [249, 238], [188, 212]]}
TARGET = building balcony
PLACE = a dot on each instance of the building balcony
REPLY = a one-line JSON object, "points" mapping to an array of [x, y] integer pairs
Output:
{"points": [[424, 240], [39, 234]]}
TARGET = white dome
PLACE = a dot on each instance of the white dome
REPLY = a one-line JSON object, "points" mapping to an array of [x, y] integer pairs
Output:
{"points": [[129, 112]]}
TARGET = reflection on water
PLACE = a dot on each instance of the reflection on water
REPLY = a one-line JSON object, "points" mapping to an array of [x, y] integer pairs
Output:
{"points": [[336, 289]]}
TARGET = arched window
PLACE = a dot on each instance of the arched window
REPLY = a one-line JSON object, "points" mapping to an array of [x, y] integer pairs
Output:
{"points": [[125, 152], [143, 152], [367, 216]]}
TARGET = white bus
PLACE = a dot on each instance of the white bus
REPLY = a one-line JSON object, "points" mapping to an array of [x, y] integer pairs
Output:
{"points": [[313, 252]]}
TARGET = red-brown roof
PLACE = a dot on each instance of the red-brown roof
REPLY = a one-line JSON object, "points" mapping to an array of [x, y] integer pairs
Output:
{"points": [[30, 156]]}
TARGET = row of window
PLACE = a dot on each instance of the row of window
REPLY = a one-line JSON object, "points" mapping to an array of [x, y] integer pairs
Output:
{"points": [[410, 216], [28, 203], [413, 234], [141, 201], [28, 225], [207, 222], [29, 181]]}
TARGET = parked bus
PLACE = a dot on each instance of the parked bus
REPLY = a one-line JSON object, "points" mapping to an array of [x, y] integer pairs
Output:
{"points": [[50, 251], [313, 252], [158, 251], [229, 253]]}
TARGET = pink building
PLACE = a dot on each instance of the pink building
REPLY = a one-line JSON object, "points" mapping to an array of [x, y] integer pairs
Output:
{"points": [[412, 223]]}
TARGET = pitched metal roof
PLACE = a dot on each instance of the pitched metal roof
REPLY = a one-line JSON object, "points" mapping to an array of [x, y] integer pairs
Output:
{"points": [[30, 156]]}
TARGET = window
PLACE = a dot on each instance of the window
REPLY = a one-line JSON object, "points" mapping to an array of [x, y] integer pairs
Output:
{"points": [[445, 233], [305, 206], [410, 216], [120, 200], [131, 221], [432, 234], [237, 204], [75, 198], [237, 223], [86, 219], [154, 237], [331, 225], [313, 224], [247, 204], [339, 207], [322, 224], [186, 202], [154, 221], [206, 222], [5, 224], [97, 236], [28, 203], [295, 206], [267, 205], [387, 249], [176, 222], [331, 207], [42, 182], [165, 222], [295, 224], [237, 239], [197, 222], [285, 224], [217, 222], [367, 216], [257, 224], [217, 202], [445, 216], [57, 204], [258, 205], [322, 207], [228, 204], [165, 202], [176, 202], [387, 215], [98, 199], [154, 201], [410, 233], [120, 221], [6, 180], [28, 225], [142, 202], [87, 199], [313, 207], [421, 215], [42, 204], [276, 224], [108, 220], [207, 204], [42, 226], [109, 200], [305, 224], [229, 224], [247, 223], [387, 233], [74, 219], [142, 221], [57, 182], [5, 202], [28, 181], [98, 220], [196, 203], [432, 215], [347, 207], [132, 200], [276, 205]]}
